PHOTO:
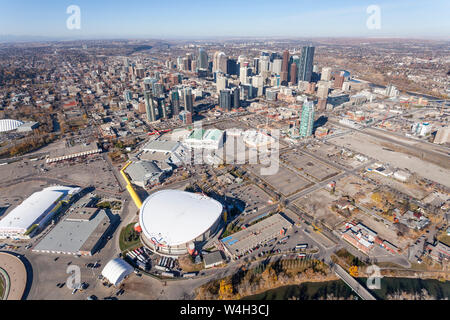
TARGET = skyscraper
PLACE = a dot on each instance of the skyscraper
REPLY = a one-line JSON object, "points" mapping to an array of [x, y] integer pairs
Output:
{"points": [[305, 67], [307, 119], [243, 73], [235, 101], [256, 65], [293, 75], [221, 83], [326, 74], [188, 100], [202, 60], [175, 100], [232, 67], [220, 62], [264, 64], [322, 89], [285, 67], [150, 106], [339, 80], [276, 66], [225, 100]]}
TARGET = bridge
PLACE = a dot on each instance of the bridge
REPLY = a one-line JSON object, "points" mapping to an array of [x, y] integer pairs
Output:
{"points": [[362, 292]]}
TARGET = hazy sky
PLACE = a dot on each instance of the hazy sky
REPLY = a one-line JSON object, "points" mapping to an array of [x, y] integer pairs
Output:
{"points": [[229, 18]]}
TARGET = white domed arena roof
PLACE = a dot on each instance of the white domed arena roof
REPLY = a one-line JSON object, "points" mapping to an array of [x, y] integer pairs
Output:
{"points": [[174, 217], [9, 124], [116, 270]]}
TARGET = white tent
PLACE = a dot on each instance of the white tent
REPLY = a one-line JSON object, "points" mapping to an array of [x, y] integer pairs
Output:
{"points": [[116, 270]]}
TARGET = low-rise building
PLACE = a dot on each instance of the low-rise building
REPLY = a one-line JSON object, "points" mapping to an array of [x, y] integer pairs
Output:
{"points": [[76, 151], [213, 259], [438, 251], [144, 173], [414, 220], [35, 212], [360, 236], [242, 241], [81, 233]]}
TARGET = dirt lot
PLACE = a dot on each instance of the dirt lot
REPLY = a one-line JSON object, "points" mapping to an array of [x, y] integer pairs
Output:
{"points": [[374, 148], [94, 171], [17, 193], [332, 152], [410, 189], [356, 188], [19, 169], [318, 204]]}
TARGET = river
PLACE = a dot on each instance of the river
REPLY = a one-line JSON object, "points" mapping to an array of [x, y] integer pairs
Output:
{"points": [[337, 288]]}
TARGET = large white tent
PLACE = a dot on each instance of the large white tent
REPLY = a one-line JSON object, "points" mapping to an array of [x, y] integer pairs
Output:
{"points": [[116, 270], [9, 124]]}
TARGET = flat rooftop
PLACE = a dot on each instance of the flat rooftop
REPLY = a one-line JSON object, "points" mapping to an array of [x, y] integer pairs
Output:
{"points": [[80, 148], [257, 234], [70, 236], [161, 146]]}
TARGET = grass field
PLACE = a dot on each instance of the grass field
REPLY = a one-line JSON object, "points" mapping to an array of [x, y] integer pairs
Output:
{"points": [[444, 238], [124, 242], [2, 287]]}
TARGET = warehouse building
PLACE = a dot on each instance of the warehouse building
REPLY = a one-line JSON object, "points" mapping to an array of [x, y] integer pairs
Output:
{"points": [[143, 173], [81, 233], [34, 213]]}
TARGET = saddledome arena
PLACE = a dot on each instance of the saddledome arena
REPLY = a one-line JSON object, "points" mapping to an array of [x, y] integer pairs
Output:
{"points": [[173, 221]]}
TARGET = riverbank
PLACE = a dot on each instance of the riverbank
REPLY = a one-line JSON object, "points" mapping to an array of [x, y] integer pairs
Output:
{"points": [[391, 289], [265, 277]]}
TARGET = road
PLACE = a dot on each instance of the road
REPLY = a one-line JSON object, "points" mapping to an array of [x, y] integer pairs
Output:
{"points": [[362, 292]]}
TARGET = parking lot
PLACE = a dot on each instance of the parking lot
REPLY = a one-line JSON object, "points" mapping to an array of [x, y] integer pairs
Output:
{"points": [[90, 171], [285, 181], [252, 197], [308, 166]]}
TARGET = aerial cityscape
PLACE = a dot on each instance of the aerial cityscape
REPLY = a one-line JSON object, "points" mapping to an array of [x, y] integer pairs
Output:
{"points": [[198, 167]]}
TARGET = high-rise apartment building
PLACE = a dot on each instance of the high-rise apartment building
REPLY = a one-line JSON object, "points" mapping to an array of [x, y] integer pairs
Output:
{"points": [[339, 80], [221, 83], [326, 74], [276, 66], [307, 119]]}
